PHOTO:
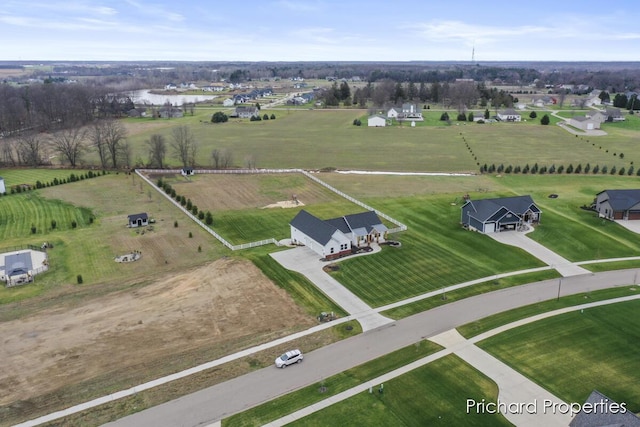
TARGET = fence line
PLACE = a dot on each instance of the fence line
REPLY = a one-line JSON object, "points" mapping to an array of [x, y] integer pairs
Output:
{"points": [[22, 248], [399, 226]]}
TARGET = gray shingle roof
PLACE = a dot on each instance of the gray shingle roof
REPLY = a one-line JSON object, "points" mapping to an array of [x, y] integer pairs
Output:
{"points": [[319, 230], [143, 216], [603, 415], [486, 208], [621, 200]]}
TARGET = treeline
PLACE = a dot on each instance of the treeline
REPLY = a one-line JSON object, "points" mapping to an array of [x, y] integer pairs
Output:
{"points": [[560, 169]]}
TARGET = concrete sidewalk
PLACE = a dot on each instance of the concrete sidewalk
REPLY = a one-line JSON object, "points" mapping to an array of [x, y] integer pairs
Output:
{"points": [[306, 262], [524, 401], [519, 239]]}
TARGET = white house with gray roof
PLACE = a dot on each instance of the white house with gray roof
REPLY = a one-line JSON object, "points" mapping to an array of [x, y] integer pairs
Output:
{"points": [[336, 237], [509, 115], [502, 214]]}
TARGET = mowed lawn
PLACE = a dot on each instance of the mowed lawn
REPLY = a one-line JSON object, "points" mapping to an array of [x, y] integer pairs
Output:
{"points": [[436, 252], [29, 176], [572, 354], [565, 227], [433, 395]]}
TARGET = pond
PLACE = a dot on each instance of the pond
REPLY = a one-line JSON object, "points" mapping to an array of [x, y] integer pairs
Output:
{"points": [[145, 97]]}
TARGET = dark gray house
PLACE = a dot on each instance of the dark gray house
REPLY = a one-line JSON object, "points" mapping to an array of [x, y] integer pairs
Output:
{"points": [[494, 215], [618, 204], [334, 238]]}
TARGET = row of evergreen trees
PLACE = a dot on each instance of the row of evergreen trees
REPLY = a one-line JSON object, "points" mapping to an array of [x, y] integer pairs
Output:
{"points": [[553, 169], [17, 189], [186, 203]]}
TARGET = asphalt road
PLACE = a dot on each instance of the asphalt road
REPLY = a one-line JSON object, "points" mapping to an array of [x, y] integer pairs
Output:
{"points": [[215, 403]]}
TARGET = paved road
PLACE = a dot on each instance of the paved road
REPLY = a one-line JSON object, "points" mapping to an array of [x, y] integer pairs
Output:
{"points": [[214, 403]]}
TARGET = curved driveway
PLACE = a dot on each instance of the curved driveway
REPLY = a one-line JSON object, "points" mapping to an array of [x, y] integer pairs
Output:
{"points": [[215, 403]]}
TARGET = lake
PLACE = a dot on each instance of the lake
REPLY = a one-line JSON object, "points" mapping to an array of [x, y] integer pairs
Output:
{"points": [[145, 97]]}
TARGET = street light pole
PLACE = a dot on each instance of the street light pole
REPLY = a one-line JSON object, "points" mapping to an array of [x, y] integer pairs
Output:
{"points": [[559, 286]]}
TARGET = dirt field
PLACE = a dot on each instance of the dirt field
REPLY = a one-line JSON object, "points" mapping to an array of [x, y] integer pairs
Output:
{"points": [[225, 301]]}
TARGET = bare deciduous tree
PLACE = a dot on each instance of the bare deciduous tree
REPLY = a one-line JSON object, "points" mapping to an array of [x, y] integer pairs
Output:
{"points": [[157, 150], [7, 150], [125, 153], [221, 158], [30, 149], [107, 137], [184, 146], [250, 161], [70, 144]]}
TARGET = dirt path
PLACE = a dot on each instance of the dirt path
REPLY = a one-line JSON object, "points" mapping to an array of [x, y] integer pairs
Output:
{"points": [[223, 301]]}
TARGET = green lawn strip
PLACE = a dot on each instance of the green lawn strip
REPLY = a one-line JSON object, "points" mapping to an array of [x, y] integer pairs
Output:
{"points": [[574, 353], [466, 292], [309, 395], [155, 368], [432, 395], [303, 292], [435, 252], [614, 265], [488, 323]]}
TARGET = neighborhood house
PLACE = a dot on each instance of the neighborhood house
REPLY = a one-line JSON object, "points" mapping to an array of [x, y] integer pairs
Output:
{"points": [[509, 115], [495, 215], [618, 204], [376, 121], [337, 237]]}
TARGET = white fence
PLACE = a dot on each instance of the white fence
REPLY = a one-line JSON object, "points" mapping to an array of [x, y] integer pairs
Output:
{"points": [[399, 226]]}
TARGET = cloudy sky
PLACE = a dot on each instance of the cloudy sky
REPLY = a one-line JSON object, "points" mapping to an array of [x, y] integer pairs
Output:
{"points": [[320, 30]]}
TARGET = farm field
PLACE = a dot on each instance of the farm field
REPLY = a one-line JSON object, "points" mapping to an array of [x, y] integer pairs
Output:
{"points": [[594, 349]]}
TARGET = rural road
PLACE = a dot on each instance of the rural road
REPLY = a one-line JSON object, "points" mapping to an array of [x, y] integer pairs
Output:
{"points": [[217, 402]]}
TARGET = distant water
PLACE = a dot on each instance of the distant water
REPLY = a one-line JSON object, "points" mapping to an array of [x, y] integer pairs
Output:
{"points": [[144, 97]]}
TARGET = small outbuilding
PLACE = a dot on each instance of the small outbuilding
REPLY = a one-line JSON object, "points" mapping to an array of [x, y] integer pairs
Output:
{"points": [[2, 187], [138, 220], [187, 172], [377, 121]]}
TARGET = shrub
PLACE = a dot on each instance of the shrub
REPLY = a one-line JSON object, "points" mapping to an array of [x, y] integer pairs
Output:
{"points": [[33, 229], [545, 120], [444, 117], [190, 235], [265, 117], [621, 171], [189, 204], [208, 218], [570, 168], [273, 117], [74, 224], [595, 170], [53, 224], [462, 117], [630, 172], [199, 248], [79, 279], [194, 210], [175, 224], [517, 169], [219, 117], [200, 215], [613, 170], [533, 115], [508, 169], [604, 169], [560, 169]]}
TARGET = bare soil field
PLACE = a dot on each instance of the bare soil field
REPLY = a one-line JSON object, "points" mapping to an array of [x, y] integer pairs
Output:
{"points": [[227, 301], [222, 192]]}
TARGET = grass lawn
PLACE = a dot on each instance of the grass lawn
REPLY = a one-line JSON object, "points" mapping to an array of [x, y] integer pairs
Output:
{"points": [[30, 176], [469, 291], [432, 395], [435, 252], [488, 323], [594, 349], [336, 384], [565, 228]]}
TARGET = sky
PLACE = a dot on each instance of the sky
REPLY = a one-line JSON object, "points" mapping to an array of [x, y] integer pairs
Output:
{"points": [[319, 30]]}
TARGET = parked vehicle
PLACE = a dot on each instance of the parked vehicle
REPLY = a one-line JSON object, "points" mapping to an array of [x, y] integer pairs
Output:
{"points": [[289, 358]]}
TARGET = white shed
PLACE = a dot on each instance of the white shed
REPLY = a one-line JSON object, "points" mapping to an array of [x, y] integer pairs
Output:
{"points": [[377, 121], [2, 187]]}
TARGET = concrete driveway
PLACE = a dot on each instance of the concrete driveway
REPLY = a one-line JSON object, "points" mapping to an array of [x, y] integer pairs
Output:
{"points": [[306, 262], [519, 239], [630, 225]]}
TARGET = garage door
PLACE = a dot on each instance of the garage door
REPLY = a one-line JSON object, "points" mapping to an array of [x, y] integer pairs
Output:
{"points": [[490, 228]]}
